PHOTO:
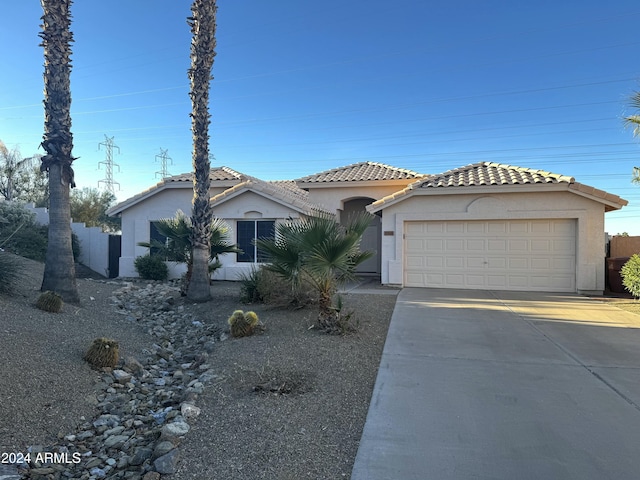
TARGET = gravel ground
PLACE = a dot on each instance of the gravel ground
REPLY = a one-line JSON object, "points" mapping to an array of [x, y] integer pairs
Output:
{"points": [[45, 386], [290, 403]]}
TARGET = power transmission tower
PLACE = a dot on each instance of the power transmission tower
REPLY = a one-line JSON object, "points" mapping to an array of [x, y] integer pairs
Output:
{"points": [[163, 157], [108, 163]]}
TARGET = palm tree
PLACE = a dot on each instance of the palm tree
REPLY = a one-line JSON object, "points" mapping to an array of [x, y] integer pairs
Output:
{"points": [[634, 121], [178, 231], [203, 28], [320, 251], [59, 270]]}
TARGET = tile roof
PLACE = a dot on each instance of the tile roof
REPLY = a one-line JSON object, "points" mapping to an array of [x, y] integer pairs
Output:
{"points": [[490, 173], [360, 172], [498, 174], [221, 174], [284, 191], [215, 174]]}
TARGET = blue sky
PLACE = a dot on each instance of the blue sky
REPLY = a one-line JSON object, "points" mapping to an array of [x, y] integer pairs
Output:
{"points": [[301, 87]]}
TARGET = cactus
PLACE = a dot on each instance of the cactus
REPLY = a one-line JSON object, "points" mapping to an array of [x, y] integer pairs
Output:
{"points": [[102, 353], [50, 302], [243, 324]]}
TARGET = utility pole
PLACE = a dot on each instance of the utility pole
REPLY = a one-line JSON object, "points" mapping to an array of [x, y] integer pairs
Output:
{"points": [[108, 163], [163, 158]]}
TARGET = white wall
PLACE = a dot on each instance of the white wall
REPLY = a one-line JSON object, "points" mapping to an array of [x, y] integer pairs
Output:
{"points": [[248, 205], [94, 243], [589, 214]]}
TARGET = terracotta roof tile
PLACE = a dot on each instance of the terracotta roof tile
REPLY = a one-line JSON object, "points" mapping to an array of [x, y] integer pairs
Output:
{"points": [[221, 174], [278, 190], [498, 174], [359, 172], [490, 173]]}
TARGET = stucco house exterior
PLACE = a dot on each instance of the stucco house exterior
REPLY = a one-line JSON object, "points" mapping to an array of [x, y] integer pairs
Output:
{"points": [[481, 226]]}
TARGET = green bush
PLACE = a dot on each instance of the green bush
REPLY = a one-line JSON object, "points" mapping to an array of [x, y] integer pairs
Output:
{"points": [[264, 286], [249, 290], [20, 234], [32, 243], [151, 267], [630, 272], [9, 270]]}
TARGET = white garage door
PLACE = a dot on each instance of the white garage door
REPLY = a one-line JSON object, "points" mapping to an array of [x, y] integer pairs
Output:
{"points": [[496, 254]]}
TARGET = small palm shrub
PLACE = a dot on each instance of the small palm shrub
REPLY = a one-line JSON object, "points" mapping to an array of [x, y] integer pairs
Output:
{"points": [[318, 251], [151, 267], [630, 273], [50, 302], [250, 286], [103, 352], [9, 269]]}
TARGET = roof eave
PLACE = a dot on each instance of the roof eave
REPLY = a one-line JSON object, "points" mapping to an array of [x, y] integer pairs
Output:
{"points": [[611, 202], [295, 204]]}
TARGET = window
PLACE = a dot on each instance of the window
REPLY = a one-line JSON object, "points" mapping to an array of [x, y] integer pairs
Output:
{"points": [[154, 234], [247, 232]]}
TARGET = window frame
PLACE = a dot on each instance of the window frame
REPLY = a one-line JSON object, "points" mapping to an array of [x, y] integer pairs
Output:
{"points": [[255, 255]]}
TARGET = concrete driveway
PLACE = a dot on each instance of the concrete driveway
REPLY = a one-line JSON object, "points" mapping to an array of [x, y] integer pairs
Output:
{"points": [[504, 385]]}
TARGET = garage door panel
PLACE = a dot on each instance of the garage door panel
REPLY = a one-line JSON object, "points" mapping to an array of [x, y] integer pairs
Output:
{"points": [[496, 281], [476, 281], [498, 262], [518, 227], [475, 262], [563, 246], [518, 245], [476, 244], [435, 279], [476, 227], [540, 245], [454, 244], [435, 245], [454, 227], [540, 263], [497, 245], [454, 262], [499, 254], [455, 280], [497, 227], [518, 263]]}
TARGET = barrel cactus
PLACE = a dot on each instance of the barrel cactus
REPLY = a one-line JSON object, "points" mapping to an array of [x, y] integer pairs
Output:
{"points": [[50, 302], [103, 353]]}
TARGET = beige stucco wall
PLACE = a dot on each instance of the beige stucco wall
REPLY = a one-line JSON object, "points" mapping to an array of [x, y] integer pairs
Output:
{"points": [[479, 205], [333, 198], [135, 225], [246, 206]]}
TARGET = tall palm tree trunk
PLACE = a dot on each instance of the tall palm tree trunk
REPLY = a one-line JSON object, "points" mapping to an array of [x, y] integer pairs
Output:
{"points": [[59, 270], [203, 28]]}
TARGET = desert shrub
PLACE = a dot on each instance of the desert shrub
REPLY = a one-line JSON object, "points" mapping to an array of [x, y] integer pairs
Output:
{"points": [[249, 286], [20, 234], [265, 286], [151, 267], [630, 273], [9, 270]]}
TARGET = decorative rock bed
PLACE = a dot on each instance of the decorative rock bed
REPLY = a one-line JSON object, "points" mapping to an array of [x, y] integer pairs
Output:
{"points": [[145, 405]]}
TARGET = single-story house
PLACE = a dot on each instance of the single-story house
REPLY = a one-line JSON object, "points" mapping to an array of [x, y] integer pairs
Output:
{"points": [[481, 226]]}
